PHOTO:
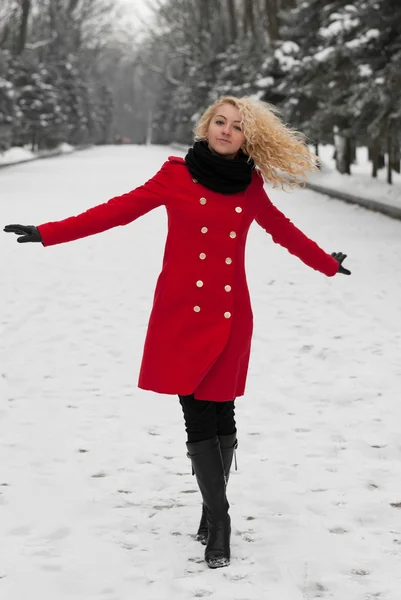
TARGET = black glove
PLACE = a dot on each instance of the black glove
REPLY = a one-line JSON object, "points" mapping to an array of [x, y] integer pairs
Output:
{"points": [[29, 233], [339, 256]]}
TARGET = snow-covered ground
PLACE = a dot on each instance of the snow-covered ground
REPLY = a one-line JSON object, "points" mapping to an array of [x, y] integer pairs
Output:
{"points": [[97, 501], [360, 183], [19, 155]]}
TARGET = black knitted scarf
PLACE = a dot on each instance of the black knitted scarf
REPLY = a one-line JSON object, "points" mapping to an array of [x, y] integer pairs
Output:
{"points": [[227, 176]]}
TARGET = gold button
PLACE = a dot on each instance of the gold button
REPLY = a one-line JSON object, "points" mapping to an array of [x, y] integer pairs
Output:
{"points": [[204, 230], [202, 256], [196, 308], [199, 283], [229, 260], [227, 315], [238, 209], [227, 288], [203, 200], [195, 180], [233, 234]]}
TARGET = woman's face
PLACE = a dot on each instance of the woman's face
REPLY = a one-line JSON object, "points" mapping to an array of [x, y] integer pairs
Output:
{"points": [[225, 136]]}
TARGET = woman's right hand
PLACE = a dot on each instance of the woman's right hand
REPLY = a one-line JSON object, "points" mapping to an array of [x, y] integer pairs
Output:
{"points": [[29, 233]]}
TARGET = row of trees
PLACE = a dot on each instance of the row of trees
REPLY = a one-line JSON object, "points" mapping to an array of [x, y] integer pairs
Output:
{"points": [[55, 71], [332, 66], [71, 71]]}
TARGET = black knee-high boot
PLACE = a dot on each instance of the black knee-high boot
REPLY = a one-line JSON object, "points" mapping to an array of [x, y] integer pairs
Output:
{"points": [[228, 446], [208, 467]]}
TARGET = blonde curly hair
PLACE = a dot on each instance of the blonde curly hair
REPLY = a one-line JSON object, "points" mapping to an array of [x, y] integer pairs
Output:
{"points": [[279, 152]]}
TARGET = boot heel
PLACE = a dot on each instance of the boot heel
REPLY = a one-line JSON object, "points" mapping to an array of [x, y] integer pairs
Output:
{"points": [[203, 530]]}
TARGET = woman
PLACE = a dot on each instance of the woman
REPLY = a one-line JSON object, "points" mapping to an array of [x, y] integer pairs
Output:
{"points": [[199, 333]]}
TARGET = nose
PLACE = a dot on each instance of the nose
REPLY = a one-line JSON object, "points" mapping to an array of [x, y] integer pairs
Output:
{"points": [[226, 130]]}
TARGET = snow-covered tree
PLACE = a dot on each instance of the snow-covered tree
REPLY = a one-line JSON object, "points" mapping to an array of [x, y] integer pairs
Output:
{"points": [[375, 99], [37, 100]]}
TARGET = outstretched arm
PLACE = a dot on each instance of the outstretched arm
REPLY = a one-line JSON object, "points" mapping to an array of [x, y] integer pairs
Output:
{"points": [[284, 232], [120, 210]]}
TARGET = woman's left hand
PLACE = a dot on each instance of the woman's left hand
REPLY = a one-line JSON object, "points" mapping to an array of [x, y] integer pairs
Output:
{"points": [[339, 256]]}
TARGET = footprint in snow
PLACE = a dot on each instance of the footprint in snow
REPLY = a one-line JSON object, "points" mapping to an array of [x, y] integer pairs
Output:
{"points": [[338, 530], [59, 534], [314, 587], [359, 572]]}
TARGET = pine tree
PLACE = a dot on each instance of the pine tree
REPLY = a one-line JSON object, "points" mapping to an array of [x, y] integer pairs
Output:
{"points": [[72, 92], [303, 96], [8, 107], [37, 100], [375, 92], [103, 115]]}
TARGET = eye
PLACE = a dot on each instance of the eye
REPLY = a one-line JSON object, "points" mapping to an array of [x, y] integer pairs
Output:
{"points": [[238, 128], [219, 122]]}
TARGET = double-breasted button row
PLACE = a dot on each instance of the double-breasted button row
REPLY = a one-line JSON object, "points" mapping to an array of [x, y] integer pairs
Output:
{"points": [[233, 234], [203, 201], [228, 261], [200, 284], [202, 255], [227, 288], [227, 315]]}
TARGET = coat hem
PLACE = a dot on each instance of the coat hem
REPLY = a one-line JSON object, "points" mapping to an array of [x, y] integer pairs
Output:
{"points": [[187, 393]]}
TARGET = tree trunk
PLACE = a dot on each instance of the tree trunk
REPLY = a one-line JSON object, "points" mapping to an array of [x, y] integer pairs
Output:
{"points": [[249, 18], [4, 35], [149, 129], [33, 138], [395, 157], [72, 6], [23, 28], [205, 14], [389, 155], [232, 20], [343, 153], [374, 156], [271, 10], [220, 16], [287, 4]]}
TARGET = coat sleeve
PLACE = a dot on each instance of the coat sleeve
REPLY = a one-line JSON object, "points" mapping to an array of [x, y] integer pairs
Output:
{"points": [[284, 232], [120, 210]]}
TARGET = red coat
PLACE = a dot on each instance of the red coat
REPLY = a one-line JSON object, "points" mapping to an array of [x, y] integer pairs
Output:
{"points": [[200, 329]]}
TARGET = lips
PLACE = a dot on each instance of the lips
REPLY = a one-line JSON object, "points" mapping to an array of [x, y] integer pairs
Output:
{"points": [[225, 141]]}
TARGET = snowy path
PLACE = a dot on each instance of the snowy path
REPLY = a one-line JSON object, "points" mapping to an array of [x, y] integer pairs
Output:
{"points": [[97, 501]]}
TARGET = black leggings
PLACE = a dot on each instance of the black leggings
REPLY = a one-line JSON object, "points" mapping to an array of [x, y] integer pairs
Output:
{"points": [[205, 419]]}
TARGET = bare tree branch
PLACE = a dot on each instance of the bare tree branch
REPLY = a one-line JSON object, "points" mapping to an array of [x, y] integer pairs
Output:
{"points": [[166, 75], [41, 43]]}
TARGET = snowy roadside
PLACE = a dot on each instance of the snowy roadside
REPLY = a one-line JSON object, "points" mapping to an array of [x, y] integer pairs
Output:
{"points": [[358, 188], [16, 155]]}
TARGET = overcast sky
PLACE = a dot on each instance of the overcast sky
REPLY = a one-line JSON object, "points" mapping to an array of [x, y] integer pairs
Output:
{"points": [[139, 9]]}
